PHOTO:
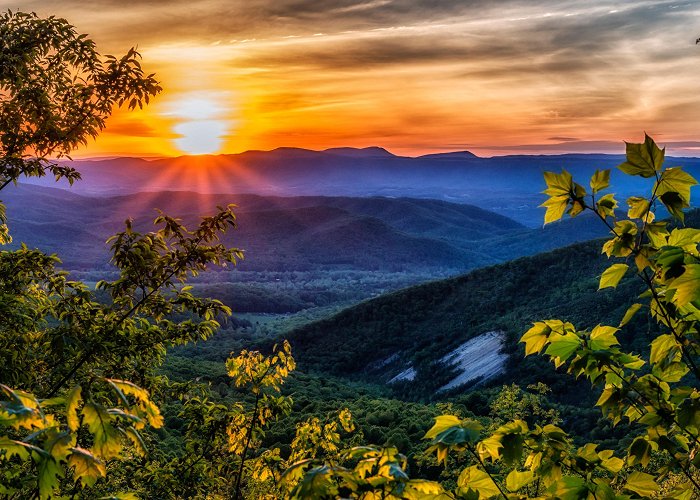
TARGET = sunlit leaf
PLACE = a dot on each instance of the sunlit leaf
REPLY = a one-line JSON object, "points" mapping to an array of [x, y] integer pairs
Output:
{"points": [[643, 159], [641, 483], [612, 276], [600, 180]]}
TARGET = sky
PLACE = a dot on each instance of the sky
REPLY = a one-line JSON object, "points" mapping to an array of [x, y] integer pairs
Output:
{"points": [[413, 76]]}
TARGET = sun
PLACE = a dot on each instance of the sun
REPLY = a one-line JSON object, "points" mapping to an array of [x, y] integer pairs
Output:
{"points": [[200, 126], [200, 137]]}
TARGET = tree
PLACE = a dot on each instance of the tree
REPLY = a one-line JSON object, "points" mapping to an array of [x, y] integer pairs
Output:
{"points": [[70, 363], [56, 92]]}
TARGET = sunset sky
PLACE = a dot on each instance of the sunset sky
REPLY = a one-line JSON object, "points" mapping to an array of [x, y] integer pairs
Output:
{"points": [[414, 76]]}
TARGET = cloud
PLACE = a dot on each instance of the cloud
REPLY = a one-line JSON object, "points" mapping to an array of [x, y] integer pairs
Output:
{"points": [[416, 72], [133, 128]]}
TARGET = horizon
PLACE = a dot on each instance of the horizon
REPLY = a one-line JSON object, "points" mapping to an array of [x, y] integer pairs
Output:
{"points": [[147, 157], [540, 77]]}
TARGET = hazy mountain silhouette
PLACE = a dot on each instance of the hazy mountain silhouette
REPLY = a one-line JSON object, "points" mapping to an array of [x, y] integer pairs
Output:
{"points": [[507, 185]]}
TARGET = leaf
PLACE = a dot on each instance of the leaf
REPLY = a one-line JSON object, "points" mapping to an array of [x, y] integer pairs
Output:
{"points": [[536, 338], [684, 237], [570, 488], [122, 496], [675, 180], [22, 410], [562, 191], [603, 337], [423, 487], [516, 480], [556, 206], [107, 439], [558, 184], [450, 430], [662, 346], [317, 483], [613, 464], [639, 207], [606, 205], [86, 467], [490, 448], [639, 452], [687, 285], [631, 311], [642, 484], [49, 473], [563, 346], [612, 276], [643, 159], [19, 449], [478, 480], [688, 413], [72, 403], [600, 180], [442, 423]]}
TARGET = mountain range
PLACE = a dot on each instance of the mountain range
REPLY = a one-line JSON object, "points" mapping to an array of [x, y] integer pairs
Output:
{"points": [[292, 233], [507, 185]]}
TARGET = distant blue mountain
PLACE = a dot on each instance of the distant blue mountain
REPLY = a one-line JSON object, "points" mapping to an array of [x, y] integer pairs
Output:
{"points": [[508, 185]]}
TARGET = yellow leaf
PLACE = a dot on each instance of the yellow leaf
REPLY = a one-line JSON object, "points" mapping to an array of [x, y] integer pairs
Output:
{"points": [[612, 276]]}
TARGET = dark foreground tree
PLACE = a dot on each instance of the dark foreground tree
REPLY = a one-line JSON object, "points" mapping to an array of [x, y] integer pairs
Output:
{"points": [[76, 372]]}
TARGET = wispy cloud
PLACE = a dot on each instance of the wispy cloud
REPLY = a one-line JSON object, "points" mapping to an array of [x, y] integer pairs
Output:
{"points": [[413, 75]]}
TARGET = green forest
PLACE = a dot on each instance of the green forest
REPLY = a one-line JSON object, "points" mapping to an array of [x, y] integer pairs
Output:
{"points": [[137, 384]]}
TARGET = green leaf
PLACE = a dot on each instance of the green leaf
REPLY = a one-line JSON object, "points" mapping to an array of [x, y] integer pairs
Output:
{"points": [[639, 452], [639, 207], [642, 484], [674, 372], [684, 237], [107, 439], [450, 430], [613, 464], [563, 346], [423, 489], [606, 205], [49, 473], [631, 311], [612, 276], [673, 188], [317, 483], [675, 180], [687, 286], [643, 159], [442, 423], [19, 449], [664, 347], [600, 180], [478, 480], [603, 337], [570, 488], [688, 413], [516, 480]]}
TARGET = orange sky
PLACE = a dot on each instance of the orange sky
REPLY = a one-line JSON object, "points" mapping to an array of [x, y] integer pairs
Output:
{"points": [[414, 76]]}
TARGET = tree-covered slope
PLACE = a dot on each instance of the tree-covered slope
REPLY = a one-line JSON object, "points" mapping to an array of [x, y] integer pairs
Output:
{"points": [[417, 326]]}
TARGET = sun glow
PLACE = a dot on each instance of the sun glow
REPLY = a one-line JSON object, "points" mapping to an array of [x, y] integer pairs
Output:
{"points": [[199, 124]]}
